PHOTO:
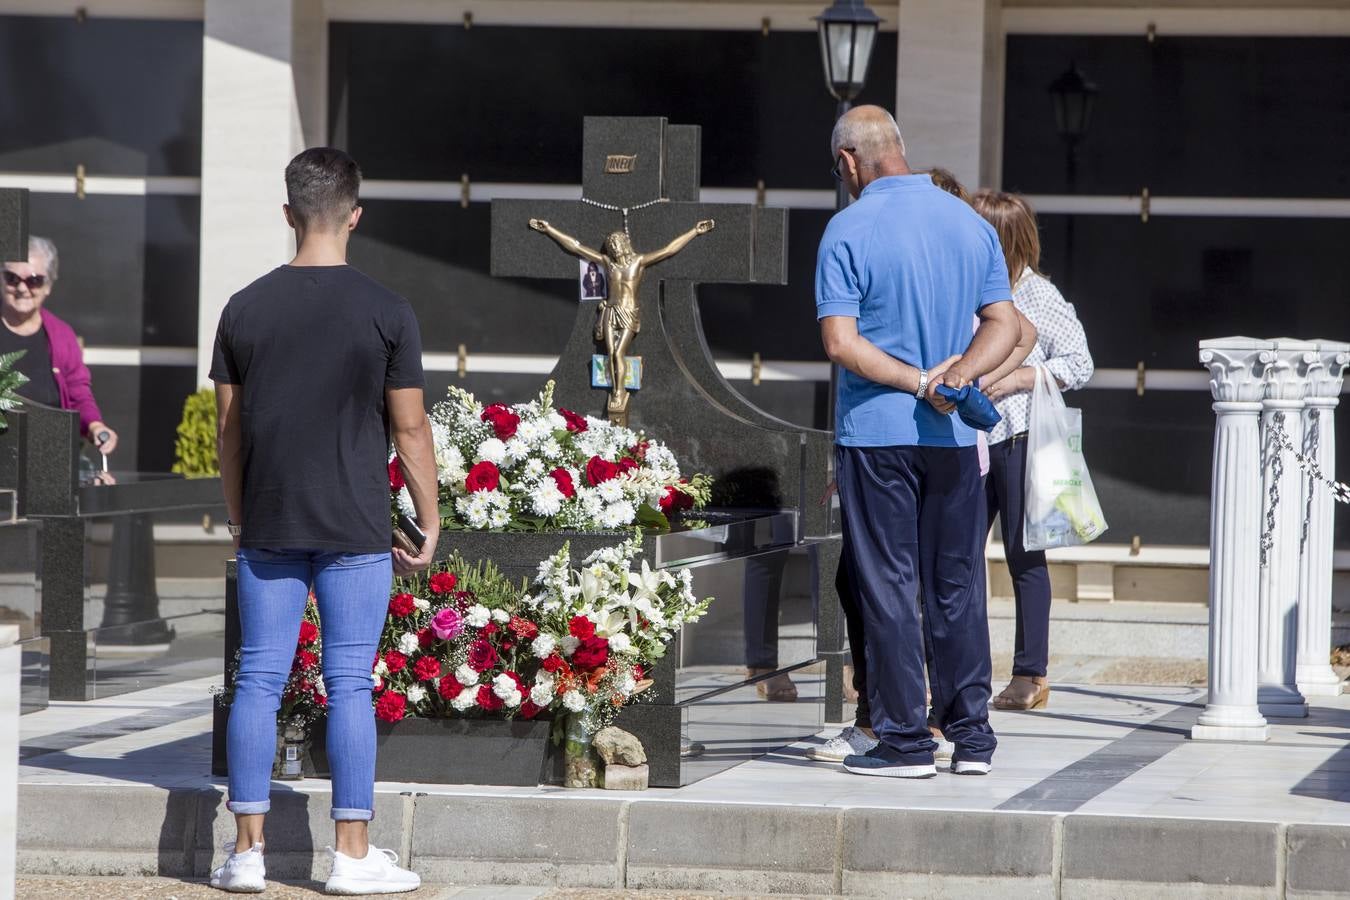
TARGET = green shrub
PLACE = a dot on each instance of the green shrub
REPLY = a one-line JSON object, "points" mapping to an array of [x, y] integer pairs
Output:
{"points": [[195, 449]]}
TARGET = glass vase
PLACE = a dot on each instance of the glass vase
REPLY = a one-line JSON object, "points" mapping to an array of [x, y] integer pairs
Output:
{"points": [[581, 765]]}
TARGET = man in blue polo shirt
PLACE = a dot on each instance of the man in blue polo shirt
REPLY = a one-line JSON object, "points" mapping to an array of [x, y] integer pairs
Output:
{"points": [[900, 276]]}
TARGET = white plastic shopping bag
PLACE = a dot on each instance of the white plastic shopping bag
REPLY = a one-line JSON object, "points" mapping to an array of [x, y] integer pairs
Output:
{"points": [[1061, 507]]}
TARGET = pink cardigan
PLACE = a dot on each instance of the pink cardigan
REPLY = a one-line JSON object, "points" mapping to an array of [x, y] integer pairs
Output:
{"points": [[72, 375]]}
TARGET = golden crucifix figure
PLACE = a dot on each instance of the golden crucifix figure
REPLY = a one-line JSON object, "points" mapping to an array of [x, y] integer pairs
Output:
{"points": [[620, 317]]}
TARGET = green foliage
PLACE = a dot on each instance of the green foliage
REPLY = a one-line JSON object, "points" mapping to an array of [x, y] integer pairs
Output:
{"points": [[10, 381], [195, 449]]}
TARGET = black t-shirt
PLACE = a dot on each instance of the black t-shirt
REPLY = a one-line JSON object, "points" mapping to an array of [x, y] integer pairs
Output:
{"points": [[314, 348], [36, 364]]}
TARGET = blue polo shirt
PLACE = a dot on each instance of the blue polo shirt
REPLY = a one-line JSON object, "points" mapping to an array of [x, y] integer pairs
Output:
{"points": [[912, 264]]}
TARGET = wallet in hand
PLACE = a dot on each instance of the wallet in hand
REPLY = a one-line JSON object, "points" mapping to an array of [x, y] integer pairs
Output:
{"points": [[972, 406]]}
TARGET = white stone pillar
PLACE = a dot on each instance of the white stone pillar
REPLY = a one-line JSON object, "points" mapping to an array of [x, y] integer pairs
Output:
{"points": [[1277, 645], [264, 94], [1237, 368], [949, 86], [11, 663], [1313, 673]]}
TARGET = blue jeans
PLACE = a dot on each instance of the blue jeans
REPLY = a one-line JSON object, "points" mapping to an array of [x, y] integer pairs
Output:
{"points": [[353, 595]]}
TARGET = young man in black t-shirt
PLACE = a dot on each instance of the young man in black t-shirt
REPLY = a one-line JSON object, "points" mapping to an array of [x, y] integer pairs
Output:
{"points": [[316, 366]]}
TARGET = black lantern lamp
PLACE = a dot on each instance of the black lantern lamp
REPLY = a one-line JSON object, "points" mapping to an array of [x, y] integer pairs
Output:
{"points": [[1073, 96], [848, 32]]}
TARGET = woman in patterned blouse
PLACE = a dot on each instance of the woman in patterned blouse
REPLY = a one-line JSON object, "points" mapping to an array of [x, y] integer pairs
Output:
{"points": [[1061, 348]]}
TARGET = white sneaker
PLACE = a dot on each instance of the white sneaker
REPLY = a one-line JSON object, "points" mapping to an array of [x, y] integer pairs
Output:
{"points": [[967, 767], [944, 751], [849, 742], [378, 873], [242, 873]]}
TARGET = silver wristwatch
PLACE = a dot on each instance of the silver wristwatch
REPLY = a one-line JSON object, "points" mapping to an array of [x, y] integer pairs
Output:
{"points": [[233, 527], [923, 384]]}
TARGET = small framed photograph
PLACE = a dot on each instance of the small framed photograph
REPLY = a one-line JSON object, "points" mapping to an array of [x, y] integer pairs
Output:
{"points": [[600, 377], [594, 281]]}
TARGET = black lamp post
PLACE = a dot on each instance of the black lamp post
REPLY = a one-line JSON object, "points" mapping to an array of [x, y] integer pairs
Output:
{"points": [[848, 32], [1073, 97]]}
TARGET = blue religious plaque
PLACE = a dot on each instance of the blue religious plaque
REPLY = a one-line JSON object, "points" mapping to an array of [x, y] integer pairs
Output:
{"points": [[600, 372]]}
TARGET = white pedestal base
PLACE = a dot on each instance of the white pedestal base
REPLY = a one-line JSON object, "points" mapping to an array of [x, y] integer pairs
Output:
{"points": [[1318, 681], [1255, 733], [1281, 701]]}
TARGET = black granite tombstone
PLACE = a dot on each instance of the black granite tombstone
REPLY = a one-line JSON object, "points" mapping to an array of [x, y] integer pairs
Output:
{"points": [[13, 224]]}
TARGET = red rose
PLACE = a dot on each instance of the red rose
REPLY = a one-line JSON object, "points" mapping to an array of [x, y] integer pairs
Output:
{"points": [[504, 422], [449, 687], [321, 699], [425, 638], [575, 423], [638, 673], [401, 605], [507, 645], [553, 663], [443, 582], [599, 470], [484, 476], [309, 633], [488, 700], [563, 479], [592, 653], [581, 627], [528, 710], [523, 628], [639, 450], [396, 481], [427, 668], [395, 661], [628, 464], [489, 629], [674, 500], [482, 656], [391, 706], [306, 659]]}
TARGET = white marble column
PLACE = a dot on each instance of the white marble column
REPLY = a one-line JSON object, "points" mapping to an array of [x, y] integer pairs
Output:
{"points": [[11, 663], [264, 92], [1313, 671], [949, 85], [1285, 391], [1237, 368]]}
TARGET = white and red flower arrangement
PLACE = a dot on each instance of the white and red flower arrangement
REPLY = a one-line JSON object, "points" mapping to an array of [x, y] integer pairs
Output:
{"points": [[531, 467], [466, 641], [305, 700]]}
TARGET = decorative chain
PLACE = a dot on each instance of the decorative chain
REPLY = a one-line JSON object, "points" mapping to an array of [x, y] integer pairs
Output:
{"points": [[1278, 439], [1272, 458], [1311, 439], [624, 209]]}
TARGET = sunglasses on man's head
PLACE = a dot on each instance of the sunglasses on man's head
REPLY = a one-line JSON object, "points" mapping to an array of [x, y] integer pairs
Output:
{"points": [[838, 163], [14, 279]]}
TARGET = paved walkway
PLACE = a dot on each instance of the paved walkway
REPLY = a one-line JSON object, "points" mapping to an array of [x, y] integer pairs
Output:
{"points": [[1098, 749]]}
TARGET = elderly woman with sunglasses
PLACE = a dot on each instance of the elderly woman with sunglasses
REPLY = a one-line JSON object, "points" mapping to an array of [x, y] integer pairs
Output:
{"points": [[54, 362]]}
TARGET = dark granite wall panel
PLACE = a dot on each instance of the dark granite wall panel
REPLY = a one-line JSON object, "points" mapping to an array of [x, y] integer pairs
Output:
{"points": [[434, 101], [1185, 116], [120, 96]]}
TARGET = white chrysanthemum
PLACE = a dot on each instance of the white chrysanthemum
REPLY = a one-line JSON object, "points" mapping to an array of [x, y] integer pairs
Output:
{"points": [[407, 644], [617, 515], [546, 499], [492, 450], [541, 694], [569, 644], [466, 676], [377, 683], [477, 616], [610, 491], [501, 616], [543, 677], [555, 420], [499, 518], [531, 431], [543, 646], [533, 469], [381, 668], [626, 685], [416, 694], [405, 503], [620, 643], [574, 701], [517, 450], [591, 504], [465, 700], [503, 686], [512, 700], [423, 605], [551, 449]]}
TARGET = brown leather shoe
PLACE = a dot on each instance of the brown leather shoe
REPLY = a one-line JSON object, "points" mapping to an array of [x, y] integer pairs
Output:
{"points": [[1024, 692], [778, 689]]}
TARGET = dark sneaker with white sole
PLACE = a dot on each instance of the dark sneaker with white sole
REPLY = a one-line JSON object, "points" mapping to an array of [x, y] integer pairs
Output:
{"points": [[970, 767], [890, 763]]}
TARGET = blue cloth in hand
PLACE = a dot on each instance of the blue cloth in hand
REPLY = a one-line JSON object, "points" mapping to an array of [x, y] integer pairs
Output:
{"points": [[972, 406]]}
